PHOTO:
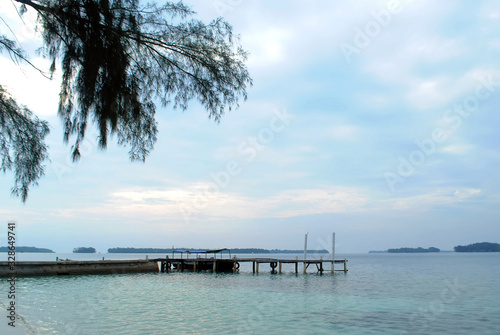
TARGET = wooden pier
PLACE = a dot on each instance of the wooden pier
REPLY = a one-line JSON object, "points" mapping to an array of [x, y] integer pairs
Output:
{"points": [[233, 264], [212, 264]]}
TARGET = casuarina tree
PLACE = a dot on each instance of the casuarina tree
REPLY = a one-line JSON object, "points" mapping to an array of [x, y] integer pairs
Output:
{"points": [[119, 61]]}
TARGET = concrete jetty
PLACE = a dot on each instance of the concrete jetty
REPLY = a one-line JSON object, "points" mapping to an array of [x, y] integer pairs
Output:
{"points": [[70, 267]]}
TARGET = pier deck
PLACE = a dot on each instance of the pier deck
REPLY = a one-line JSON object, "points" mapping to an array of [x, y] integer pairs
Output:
{"points": [[232, 264]]}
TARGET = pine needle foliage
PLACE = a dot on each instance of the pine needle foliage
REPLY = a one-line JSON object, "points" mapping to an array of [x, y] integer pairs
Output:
{"points": [[22, 145], [120, 58]]}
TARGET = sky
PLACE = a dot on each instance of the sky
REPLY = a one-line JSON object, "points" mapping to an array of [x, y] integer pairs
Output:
{"points": [[376, 120]]}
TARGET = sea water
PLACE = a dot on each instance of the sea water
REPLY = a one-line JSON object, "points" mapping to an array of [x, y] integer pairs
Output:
{"points": [[439, 293]]}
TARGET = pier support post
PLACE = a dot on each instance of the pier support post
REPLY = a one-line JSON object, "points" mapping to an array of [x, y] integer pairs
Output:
{"points": [[214, 268], [332, 268], [194, 266], [333, 253], [345, 265], [257, 267], [253, 266], [279, 269]]}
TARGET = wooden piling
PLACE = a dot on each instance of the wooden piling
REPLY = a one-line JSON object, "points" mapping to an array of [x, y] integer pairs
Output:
{"points": [[273, 266]]}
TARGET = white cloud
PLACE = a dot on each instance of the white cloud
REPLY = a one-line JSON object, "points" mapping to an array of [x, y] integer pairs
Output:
{"points": [[429, 93], [29, 87], [268, 46], [447, 197], [343, 132], [456, 149], [203, 201]]}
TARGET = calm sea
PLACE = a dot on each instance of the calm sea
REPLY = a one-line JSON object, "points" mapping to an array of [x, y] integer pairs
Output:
{"points": [[444, 293]]}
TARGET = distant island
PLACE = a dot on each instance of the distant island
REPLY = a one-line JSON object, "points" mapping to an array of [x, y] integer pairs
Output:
{"points": [[27, 249], [235, 250], [413, 250], [84, 250], [478, 247], [138, 250], [276, 251]]}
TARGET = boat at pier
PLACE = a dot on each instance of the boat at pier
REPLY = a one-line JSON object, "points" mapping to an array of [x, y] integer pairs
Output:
{"points": [[210, 261]]}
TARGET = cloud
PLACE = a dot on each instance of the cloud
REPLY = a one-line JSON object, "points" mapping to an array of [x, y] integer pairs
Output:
{"points": [[202, 201], [269, 46], [29, 87], [447, 197], [344, 132], [456, 149]]}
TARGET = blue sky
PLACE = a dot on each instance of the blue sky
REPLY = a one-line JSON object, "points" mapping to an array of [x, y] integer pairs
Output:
{"points": [[376, 120]]}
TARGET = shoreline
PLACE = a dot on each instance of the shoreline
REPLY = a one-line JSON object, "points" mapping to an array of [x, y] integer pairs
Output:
{"points": [[21, 326]]}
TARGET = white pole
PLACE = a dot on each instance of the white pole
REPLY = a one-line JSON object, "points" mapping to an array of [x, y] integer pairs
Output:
{"points": [[305, 246], [305, 251], [333, 246], [333, 253]]}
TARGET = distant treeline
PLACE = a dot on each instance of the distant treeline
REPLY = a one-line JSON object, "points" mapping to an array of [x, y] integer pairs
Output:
{"points": [[235, 250], [478, 247], [138, 250], [275, 251], [84, 250], [27, 249], [413, 250]]}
